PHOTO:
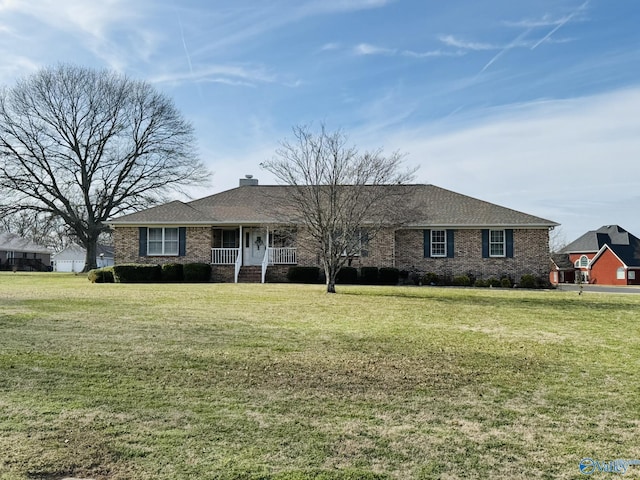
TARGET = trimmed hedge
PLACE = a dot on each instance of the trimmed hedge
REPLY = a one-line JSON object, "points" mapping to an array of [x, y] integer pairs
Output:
{"points": [[431, 278], [172, 272], [527, 281], [137, 273], [388, 276], [303, 274], [369, 275], [461, 281], [101, 275], [196, 272], [347, 275]]}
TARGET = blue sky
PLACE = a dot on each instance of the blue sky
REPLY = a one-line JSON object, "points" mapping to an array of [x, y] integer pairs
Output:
{"points": [[529, 104]]}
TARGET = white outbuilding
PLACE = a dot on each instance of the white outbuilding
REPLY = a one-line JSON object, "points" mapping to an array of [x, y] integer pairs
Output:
{"points": [[72, 258]]}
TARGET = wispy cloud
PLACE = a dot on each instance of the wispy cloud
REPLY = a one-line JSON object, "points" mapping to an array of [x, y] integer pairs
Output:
{"points": [[227, 74], [452, 41], [368, 49]]}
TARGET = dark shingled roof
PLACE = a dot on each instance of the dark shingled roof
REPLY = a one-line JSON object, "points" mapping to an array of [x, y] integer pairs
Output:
{"points": [[625, 245], [258, 204], [562, 260], [13, 242]]}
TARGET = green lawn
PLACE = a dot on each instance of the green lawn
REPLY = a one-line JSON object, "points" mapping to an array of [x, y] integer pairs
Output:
{"points": [[222, 381]]}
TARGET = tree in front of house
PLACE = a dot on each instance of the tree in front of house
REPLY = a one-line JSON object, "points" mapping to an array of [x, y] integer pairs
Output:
{"points": [[341, 196], [82, 145]]}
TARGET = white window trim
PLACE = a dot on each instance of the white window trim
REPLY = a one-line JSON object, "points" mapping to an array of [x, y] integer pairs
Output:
{"points": [[504, 244], [164, 253], [578, 262], [432, 243], [621, 274]]}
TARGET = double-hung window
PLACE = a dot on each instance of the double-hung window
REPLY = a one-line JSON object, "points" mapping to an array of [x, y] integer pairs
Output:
{"points": [[497, 243], [230, 239], [162, 241], [438, 243]]}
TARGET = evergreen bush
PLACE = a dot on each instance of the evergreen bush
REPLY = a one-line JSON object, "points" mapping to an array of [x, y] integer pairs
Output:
{"points": [[388, 276], [347, 275], [196, 272], [300, 274], [101, 275], [369, 275], [137, 273], [172, 272]]}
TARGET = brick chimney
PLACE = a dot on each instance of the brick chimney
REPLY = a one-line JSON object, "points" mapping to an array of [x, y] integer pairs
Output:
{"points": [[248, 180]]}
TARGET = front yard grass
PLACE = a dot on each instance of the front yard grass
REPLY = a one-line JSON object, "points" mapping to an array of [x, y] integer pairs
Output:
{"points": [[222, 381]]}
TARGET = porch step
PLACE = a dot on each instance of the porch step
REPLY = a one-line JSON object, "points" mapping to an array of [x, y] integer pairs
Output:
{"points": [[250, 274]]}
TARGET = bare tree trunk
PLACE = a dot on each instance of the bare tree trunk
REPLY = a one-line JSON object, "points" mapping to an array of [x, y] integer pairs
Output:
{"points": [[90, 262]]}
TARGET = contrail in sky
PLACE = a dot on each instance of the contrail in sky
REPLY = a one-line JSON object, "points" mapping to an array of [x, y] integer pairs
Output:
{"points": [[515, 43], [562, 23], [184, 45]]}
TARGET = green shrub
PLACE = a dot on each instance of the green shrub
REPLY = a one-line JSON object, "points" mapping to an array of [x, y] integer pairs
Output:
{"points": [[527, 281], [137, 273], [493, 282], [461, 281], [481, 283], [505, 282], [347, 275], [430, 278], [196, 272], [303, 274], [388, 276], [369, 275], [101, 275], [172, 272]]}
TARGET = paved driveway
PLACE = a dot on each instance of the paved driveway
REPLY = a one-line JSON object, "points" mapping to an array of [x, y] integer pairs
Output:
{"points": [[570, 287]]}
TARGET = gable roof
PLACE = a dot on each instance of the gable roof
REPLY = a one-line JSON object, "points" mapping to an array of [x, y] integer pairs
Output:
{"points": [[13, 243], [622, 243], [257, 204], [75, 250]]}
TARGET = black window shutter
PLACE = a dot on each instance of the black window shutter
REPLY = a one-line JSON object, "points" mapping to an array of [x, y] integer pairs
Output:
{"points": [[450, 243], [182, 241], [485, 243], [364, 243], [142, 238], [427, 243], [508, 233]]}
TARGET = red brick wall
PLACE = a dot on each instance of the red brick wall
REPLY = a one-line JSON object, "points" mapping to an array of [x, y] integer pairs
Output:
{"points": [[604, 270]]}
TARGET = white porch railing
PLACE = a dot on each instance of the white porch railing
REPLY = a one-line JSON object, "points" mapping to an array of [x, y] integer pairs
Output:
{"points": [[282, 256], [265, 263], [224, 256], [238, 266]]}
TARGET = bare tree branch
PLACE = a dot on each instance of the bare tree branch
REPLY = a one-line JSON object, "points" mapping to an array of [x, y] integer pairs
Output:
{"points": [[338, 194], [85, 145]]}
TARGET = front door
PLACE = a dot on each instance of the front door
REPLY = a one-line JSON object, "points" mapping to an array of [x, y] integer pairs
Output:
{"points": [[255, 245]]}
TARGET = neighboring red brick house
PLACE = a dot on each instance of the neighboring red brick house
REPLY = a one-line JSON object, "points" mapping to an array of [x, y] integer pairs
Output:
{"points": [[243, 228], [607, 256]]}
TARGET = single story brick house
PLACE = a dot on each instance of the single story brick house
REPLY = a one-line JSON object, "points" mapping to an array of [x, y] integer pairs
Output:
{"points": [[242, 230], [609, 255], [19, 253]]}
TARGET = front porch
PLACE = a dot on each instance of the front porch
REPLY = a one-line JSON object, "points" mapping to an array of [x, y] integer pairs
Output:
{"points": [[254, 248]]}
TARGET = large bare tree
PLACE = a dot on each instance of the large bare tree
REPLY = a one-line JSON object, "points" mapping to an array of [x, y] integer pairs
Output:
{"points": [[341, 197], [84, 145]]}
